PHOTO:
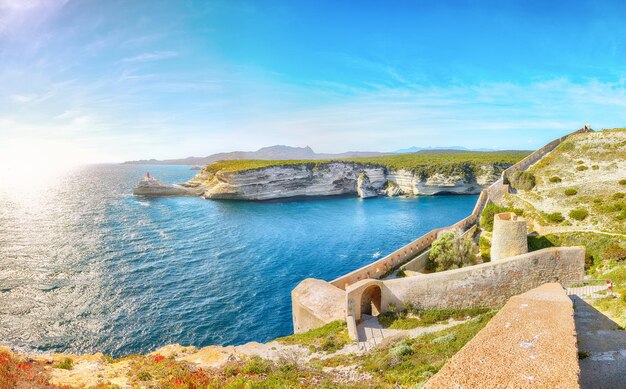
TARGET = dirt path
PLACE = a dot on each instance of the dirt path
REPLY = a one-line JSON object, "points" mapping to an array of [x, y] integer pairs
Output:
{"points": [[602, 345]]}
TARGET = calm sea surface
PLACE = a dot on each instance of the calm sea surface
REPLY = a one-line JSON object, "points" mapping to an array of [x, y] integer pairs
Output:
{"points": [[87, 267]]}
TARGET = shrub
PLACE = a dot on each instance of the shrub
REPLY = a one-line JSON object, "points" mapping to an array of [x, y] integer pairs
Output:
{"points": [[451, 250], [570, 192], [257, 365], [486, 218], [580, 162], [622, 182], [555, 217], [581, 168], [615, 253], [66, 364], [555, 179], [578, 214], [484, 245], [618, 196], [401, 349], [522, 180], [595, 167]]}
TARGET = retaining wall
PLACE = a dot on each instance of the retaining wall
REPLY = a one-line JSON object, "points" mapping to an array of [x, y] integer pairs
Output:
{"points": [[530, 343]]}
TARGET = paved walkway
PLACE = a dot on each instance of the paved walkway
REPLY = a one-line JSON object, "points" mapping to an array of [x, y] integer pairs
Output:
{"points": [[604, 343], [371, 333]]}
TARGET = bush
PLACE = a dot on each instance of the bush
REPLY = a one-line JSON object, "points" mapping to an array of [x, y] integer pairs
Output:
{"points": [[401, 349], [522, 180], [555, 217], [578, 214], [581, 168], [451, 250], [555, 179], [484, 245], [570, 192], [66, 364], [486, 218], [617, 196], [622, 182], [595, 167], [614, 253], [257, 365]]}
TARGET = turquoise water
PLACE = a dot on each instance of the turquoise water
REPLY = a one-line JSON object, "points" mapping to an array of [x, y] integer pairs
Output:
{"points": [[87, 267]]}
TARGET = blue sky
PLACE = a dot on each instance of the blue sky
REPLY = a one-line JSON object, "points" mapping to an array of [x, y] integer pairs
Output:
{"points": [[116, 80]]}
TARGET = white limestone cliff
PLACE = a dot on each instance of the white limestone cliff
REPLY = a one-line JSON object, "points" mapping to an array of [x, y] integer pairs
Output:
{"points": [[333, 178]]}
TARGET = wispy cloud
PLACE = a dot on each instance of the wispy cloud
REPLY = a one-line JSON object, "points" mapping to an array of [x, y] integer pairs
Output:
{"points": [[151, 56]]}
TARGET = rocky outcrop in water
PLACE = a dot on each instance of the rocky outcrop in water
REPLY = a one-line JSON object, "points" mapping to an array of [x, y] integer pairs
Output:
{"points": [[151, 187], [364, 187], [335, 178]]}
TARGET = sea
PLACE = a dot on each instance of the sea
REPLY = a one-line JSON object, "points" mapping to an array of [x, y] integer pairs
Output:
{"points": [[87, 267]]}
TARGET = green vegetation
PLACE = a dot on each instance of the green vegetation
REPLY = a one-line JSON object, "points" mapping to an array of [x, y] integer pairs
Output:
{"points": [[595, 167], [602, 250], [581, 168], [484, 245], [578, 214], [555, 179], [570, 192], [622, 182], [486, 217], [424, 164], [397, 366], [523, 180], [617, 196], [66, 364], [409, 317], [555, 217], [451, 250], [329, 338]]}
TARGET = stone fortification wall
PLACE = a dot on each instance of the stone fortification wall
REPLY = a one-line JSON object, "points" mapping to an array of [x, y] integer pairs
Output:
{"points": [[315, 303], [488, 284], [378, 268], [530, 343]]}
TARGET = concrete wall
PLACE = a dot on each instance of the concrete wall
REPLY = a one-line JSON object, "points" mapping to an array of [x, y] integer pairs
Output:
{"points": [[530, 343], [485, 285]]}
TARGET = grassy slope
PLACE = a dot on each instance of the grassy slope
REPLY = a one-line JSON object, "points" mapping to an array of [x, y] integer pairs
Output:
{"points": [[425, 163], [590, 165], [593, 165]]}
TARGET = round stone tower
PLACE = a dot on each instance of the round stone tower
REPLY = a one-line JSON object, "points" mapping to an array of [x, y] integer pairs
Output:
{"points": [[509, 236]]}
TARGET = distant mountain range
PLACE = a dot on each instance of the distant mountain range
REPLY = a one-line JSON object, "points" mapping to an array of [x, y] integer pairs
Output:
{"points": [[271, 152], [288, 152]]}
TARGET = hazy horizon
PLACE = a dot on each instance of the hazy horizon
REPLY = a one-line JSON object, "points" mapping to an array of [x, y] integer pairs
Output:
{"points": [[88, 81]]}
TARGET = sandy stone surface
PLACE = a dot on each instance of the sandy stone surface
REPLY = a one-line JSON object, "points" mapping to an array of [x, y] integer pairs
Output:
{"points": [[530, 343]]}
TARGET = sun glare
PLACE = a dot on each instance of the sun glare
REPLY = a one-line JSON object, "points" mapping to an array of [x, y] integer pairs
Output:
{"points": [[28, 163]]}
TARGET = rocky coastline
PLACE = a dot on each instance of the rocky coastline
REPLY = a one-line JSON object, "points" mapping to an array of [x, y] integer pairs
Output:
{"points": [[336, 178]]}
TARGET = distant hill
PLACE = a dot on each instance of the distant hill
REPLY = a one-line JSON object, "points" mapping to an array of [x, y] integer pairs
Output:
{"points": [[415, 149], [281, 152], [277, 152]]}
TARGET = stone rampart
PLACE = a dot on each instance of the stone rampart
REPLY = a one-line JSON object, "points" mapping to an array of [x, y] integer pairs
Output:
{"points": [[488, 284], [530, 343], [485, 285]]}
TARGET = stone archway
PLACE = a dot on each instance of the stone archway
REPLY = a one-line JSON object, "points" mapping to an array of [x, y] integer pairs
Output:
{"points": [[371, 300]]}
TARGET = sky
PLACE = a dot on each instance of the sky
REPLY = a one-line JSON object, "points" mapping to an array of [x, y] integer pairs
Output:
{"points": [[116, 80]]}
